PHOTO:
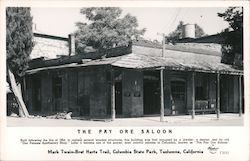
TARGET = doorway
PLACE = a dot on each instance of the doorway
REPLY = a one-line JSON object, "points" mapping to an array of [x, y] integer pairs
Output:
{"points": [[151, 93], [118, 98], [178, 97], [57, 92]]}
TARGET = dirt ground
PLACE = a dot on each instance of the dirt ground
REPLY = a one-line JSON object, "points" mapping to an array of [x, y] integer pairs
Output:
{"points": [[199, 120]]}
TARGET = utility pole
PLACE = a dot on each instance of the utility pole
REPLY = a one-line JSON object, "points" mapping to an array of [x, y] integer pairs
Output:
{"points": [[163, 44]]}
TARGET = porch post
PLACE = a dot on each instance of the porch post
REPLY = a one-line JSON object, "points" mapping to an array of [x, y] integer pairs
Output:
{"points": [[162, 95], [112, 95], [193, 95], [218, 96], [240, 96]]}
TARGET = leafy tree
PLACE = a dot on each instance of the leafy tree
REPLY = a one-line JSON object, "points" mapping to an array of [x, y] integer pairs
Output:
{"points": [[177, 34], [19, 45], [106, 29], [199, 32], [232, 48]]}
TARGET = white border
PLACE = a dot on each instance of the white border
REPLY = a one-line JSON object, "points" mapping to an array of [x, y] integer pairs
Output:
{"points": [[5, 131]]}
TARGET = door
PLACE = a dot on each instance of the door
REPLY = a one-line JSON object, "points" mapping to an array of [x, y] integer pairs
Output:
{"points": [[57, 92], [178, 97], [118, 98], [84, 102], [151, 97], [224, 93], [83, 98]]}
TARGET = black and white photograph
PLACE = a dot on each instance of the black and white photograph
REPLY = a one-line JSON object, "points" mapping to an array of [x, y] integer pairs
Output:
{"points": [[109, 69], [150, 83]]}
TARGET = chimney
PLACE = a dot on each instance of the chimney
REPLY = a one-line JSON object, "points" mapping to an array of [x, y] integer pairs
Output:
{"points": [[72, 45], [188, 31]]}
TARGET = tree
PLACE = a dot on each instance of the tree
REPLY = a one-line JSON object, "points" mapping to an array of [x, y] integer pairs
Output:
{"points": [[232, 47], [199, 32], [19, 45], [106, 29], [177, 34]]}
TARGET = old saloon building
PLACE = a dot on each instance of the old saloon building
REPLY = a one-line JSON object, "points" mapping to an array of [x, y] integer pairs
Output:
{"points": [[130, 81]]}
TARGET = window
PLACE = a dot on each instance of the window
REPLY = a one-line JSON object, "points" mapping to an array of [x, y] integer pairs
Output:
{"points": [[178, 90], [57, 87]]}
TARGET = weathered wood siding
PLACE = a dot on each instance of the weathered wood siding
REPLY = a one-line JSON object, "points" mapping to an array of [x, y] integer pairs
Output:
{"points": [[132, 84], [46, 93], [92, 92], [229, 93], [86, 91]]}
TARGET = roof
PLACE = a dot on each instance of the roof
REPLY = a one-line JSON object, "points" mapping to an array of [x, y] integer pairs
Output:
{"points": [[200, 48], [146, 58]]}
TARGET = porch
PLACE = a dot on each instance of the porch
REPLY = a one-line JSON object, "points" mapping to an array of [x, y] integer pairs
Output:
{"points": [[138, 93]]}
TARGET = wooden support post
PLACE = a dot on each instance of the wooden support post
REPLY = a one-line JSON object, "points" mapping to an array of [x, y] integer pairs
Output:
{"points": [[240, 96], [218, 96], [162, 95], [112, 95], [193, 95], [162, 81]]}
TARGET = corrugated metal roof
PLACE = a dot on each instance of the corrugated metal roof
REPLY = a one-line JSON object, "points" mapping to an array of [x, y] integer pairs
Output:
{"points": [[105, 61], [151, 58]]}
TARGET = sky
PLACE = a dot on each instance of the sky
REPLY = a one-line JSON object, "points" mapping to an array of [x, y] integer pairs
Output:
{"points": [[61, 21]]}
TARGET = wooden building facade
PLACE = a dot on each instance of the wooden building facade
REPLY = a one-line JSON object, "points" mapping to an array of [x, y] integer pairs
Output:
{"points": [[131, 83]]}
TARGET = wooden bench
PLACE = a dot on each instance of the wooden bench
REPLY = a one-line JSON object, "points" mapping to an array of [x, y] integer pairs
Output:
{"points": [[202, 110]]}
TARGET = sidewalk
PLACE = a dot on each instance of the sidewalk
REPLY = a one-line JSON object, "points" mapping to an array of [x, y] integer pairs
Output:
{"points": [[199, 120]]}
